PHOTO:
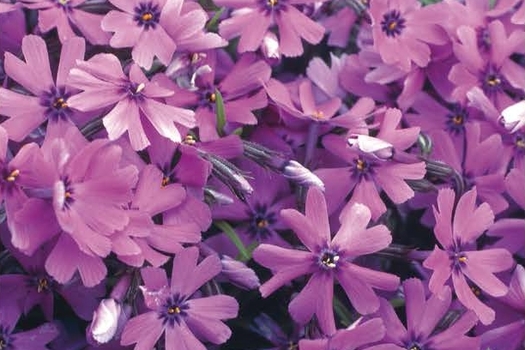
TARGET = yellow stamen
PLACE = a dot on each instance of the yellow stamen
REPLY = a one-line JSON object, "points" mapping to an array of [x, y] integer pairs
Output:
{"points": [[318, 115], [165, 181], [462, 259], [67, 194], [63, 2], [212, 97], [13, 175], [148, 16], [42, 285], [458, 120], [392, 25], [60, 103], [273, 2], [361, 165], [174, 310], [520, 143], [493, 81], [262, 223]]}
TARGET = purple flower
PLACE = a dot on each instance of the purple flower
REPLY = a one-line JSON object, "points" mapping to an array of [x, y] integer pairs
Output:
{"points": [[497, 75], [252, 19], [34, 339], [240, 89], [357, 336], [48, 100], [67, 16], [365, 175], [423, 317], [174, 311], [132, 99], [402, 31], [327, 260], [511, 335], [158, 28], [459, 257]]}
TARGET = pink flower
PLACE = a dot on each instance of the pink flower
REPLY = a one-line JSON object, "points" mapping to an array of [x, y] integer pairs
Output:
{"points": [[67, 17], [459, 257], [402, 31], [132, 99], [327, 260], [173, 311]]}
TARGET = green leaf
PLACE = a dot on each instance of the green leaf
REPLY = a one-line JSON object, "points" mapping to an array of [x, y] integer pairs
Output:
{"points": [[212, 24], [244, 254], [221, 115]]}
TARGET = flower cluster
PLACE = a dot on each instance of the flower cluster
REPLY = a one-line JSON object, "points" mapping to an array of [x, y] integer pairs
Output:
{"points": [[313, 174]]}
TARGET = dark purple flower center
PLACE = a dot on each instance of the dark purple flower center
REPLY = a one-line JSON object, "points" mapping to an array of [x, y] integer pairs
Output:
{"points": [[134, 90], [362, 167], [491, 80], [65, 194], [173, 309], [415, 346], [261, 222], [328, 259], [270, 6], [392, 23], [55, 101], [519, 142], [5, 334], [147, 15], [456, 119], [63, 4]]}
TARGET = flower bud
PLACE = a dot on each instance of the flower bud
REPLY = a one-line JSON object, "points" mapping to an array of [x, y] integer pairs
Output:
{"points": [[104, 325], [230, 175], [296, 172], [513, 117], [238, 273], [371, 145], [270, 48]]}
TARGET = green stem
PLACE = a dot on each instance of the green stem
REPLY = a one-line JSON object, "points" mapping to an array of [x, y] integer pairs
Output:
{"points": [[342, 312], [244, 254]]}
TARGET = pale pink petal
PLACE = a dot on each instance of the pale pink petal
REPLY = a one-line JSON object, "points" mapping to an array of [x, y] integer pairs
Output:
{"points": [[153, 43], [72, 50], [90, 26], [144, 330], [127, 32], [466, 297], [479, 218]]}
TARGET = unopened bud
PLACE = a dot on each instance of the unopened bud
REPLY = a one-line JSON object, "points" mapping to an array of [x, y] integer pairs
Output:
{"points": [[296, 172], [270, 48], [215, 197], [437, 169], [121, 288], [230, 175], [371, 145], [263, 156], [513, 117], [104, 325], [239, 274]]}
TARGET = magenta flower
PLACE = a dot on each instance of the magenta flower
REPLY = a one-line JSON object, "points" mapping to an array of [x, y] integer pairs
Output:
{"points": [[459, 257], [423, 317], [496, 73], [327, 260], [174, 311], [402, 31], [355, 337], [253, 19], [48, 100], [68, 17], [157, 28], [365, 175], [131, 98]]}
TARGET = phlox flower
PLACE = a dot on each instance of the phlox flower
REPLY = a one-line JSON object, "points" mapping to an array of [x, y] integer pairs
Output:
{"points": [[327, 260], [457, 228], [174, 311], [158, 28], [68, 17], [78, 194], [365, 175], [49, 98], [132, 99], [402, 30], [253, 19], [357, 336], [422, 324]]}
